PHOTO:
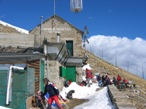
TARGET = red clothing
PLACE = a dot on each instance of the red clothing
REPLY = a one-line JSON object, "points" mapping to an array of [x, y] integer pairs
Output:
{"points": [[125, 81], [89, 74], [119, 78], [69, 82], [55, 98]]}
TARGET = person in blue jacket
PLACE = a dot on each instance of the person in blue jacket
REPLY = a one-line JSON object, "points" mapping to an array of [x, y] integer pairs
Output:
{"points": [[53, 94]]}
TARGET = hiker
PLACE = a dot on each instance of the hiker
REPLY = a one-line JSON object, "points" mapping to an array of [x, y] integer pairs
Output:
{"points": [[107, 80], [41, 100], [53, 94], [89, 77]]}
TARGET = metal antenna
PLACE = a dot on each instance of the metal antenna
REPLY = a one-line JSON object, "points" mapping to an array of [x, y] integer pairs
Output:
{"points": [[54, 7], [41, 29], [85, 36], [41, 24]]}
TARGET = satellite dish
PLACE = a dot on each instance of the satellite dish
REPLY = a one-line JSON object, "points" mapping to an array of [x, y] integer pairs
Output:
{"points": [[76, 5]]}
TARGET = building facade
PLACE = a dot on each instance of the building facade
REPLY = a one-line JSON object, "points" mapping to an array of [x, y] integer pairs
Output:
{"points": [[57, 30]]}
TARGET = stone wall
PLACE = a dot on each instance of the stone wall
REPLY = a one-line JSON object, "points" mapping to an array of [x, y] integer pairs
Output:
{"points": [[53, 73], [119, 99], [14, 40], [67, 32], [49, 30]]}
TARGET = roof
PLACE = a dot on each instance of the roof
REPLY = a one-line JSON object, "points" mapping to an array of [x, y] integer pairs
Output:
{"points": [[19, 54], [7, 58], [61, 19]]}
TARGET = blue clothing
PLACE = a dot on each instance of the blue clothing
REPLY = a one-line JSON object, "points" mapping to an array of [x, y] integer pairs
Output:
{"points": [[50, 89], [100, 83]]}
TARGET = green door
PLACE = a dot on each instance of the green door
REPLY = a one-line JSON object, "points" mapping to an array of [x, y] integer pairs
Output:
{"points": [[42, 67], [71, 73]]}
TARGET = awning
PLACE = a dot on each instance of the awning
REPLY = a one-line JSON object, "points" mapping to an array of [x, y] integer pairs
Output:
{"points": [[58, 51]]}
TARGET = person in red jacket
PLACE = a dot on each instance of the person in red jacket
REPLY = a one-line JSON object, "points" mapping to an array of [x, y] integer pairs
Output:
{"points": [[125, 81], [119, 79], [89, 76]]}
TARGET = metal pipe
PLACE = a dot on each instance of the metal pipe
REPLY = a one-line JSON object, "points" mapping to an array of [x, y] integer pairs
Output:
{"points": [[9, 85]]}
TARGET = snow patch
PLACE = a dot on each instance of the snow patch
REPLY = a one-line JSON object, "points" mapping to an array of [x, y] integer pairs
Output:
{"points": [[97, 99], [17, 28]]}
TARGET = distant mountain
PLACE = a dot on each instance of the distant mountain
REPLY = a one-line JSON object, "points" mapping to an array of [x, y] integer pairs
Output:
{"points": [[8, 28]]}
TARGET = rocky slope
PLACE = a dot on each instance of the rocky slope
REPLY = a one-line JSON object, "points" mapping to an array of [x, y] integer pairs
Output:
{"points": [[8, 28], [137, 95]]}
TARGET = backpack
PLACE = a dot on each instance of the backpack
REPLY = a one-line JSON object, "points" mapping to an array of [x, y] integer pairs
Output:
{"points": [[56, 91]]}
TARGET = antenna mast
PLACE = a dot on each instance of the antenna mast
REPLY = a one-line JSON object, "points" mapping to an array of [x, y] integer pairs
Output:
{"points": [[54, 7]]}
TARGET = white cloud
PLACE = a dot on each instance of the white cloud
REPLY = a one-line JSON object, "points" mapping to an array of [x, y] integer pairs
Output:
{"points": [[130, 54]]}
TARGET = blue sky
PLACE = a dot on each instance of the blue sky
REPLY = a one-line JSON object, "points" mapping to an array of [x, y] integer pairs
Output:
{"points": [[117, 28], [123, 18]]}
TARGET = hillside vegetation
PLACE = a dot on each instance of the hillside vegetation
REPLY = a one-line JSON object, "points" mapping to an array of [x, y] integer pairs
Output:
{"points": [[137, 95], [6, 29]]}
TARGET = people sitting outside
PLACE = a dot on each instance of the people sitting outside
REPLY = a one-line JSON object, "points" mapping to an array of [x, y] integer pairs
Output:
{"points": [[125, 81], [107, 80], [119, 79], [99, 79], [114, 81], [94, 79], [111, 82], [41, 100], [69, 82], [89, 77], [65, 82], [103, 79], [83, 82]]}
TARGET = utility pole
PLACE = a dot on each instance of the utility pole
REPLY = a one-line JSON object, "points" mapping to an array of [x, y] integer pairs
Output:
{"points": [[102, 54], [115, 61], [142, 73], [127, 66], [41, 25], [85, 37], [54, 7]]}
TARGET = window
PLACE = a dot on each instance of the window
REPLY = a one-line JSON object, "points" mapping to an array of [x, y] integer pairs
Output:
{"points": [[69, 45]]}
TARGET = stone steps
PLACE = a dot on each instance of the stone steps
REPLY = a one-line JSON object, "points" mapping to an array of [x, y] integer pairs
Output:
{"points": [[119, 98]]}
